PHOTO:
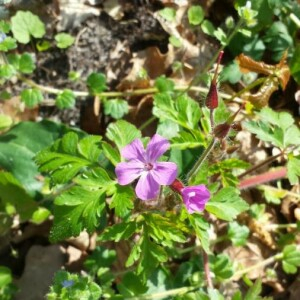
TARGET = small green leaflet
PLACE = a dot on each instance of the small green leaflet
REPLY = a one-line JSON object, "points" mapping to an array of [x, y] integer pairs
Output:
{"points": [[238, 234], [201, 228], [291, 259], [66, 99], [226, 204], [64, 40], [9, 43], [31, 97], [96, 82], [116, 108], [195, 14], [221, 266], [293, 169], [23, 63]]}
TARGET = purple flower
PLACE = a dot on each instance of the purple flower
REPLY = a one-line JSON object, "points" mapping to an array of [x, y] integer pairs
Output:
{"points": [[195, 197], [143, 164]]}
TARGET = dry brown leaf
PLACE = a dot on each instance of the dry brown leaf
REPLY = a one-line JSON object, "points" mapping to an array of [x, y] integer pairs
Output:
{"points": [[247, 64]]}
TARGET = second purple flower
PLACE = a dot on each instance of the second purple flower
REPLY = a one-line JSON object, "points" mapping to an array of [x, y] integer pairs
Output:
{"points": [[143, 164]]}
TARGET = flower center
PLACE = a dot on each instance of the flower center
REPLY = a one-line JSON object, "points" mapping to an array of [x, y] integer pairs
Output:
{"points": [[148, 167]]}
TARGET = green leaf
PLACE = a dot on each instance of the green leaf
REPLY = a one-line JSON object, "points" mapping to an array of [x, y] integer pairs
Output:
{"points": [[122, 133], [64, 40], [77, 209], [163, 231], [5, 121], [89, 147], [151, 255], [254, 291], [25, 24], [291, 259], [275, 127], [26, 63], [4, 26], [65, 100], [220, 35], [7, 71], [183, 111], [7, 44], [294, 64], [40, 215], [208, 27], [195, 14], [111, 153], [186, 140], [117, 232], [293, 169], [12, 193], [43, 46], [164, 84], [5, 276], [31, 97], [96, 83], [231, 72], [62, 160], [116, 108], [226, 204], [221, 266], [201, 227], [131, 285], [26, 139], [168, 13], [238, 234], [122, 200]]}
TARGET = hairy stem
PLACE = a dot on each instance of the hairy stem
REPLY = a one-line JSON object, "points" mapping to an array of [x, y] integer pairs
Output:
{"points": [[201, 159], [207, 270], [263, 178]]}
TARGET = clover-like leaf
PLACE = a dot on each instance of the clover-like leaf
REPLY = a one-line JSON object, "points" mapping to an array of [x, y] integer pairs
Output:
{"points": [[31, 97], [64, 40], [25, 24]]}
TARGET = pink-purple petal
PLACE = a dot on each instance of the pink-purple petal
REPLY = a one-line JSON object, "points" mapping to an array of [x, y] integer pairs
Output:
{"points": [[156, 148], [147, 188], [134, 151], [195, 197], [164, 173], [128, 171]]}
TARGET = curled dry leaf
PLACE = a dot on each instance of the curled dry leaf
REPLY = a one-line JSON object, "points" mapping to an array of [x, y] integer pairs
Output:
{"points": [[262, 96]]}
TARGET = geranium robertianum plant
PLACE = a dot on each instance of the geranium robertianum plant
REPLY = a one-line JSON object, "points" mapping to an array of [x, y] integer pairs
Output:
{"points": [[163, 201]]}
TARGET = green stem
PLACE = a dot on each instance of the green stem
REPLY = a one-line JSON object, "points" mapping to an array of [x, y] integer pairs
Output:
{"points": [[249, 87], [273, 227], [115, 94], [147, 123], [201, 159], [160, 295], [261, 264]]}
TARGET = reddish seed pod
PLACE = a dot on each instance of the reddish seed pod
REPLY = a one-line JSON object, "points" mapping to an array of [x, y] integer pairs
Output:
{"points": [[221, 130], [236, 126], [212, 97]]}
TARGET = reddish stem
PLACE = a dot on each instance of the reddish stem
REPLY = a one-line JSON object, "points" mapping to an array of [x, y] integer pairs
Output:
{"points": [[207, 270], [263, 178]]}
